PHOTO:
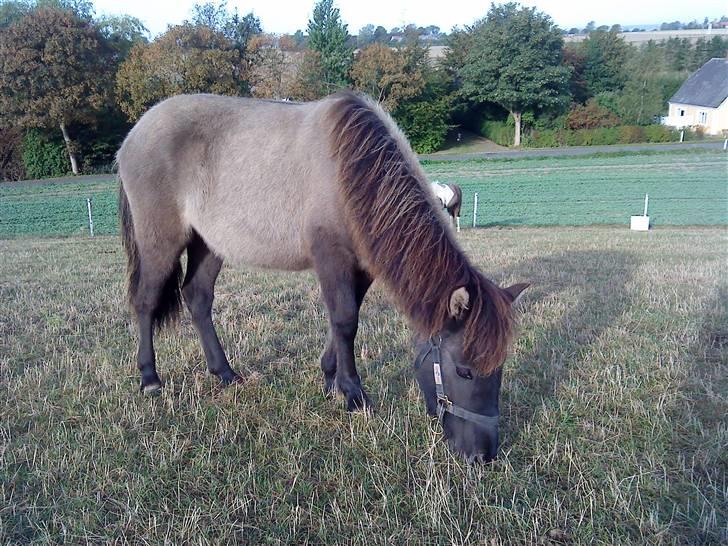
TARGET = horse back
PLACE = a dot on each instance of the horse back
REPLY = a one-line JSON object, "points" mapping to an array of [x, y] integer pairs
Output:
{"points": [[253, 178]]}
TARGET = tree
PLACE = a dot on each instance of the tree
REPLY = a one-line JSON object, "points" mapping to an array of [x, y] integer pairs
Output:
{"points": [[381, 35], [365, 36], [515, 62], [641, 99], [425, 118], [185, 59], [54, 71], [309, 82], [216, 17], [274, 66], [328, 36], [387, 75], [13, 11], [122, 32], [576, 61], [604, 67]]}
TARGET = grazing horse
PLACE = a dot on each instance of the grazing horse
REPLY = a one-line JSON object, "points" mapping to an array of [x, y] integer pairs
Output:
{"points": [[344, 195], [451, 197]]}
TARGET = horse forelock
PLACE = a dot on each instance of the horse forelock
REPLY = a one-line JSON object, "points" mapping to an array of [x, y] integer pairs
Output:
{"points": [[395, 223]]}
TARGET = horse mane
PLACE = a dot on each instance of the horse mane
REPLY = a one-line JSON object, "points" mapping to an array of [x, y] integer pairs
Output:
{"points": [[395, 223]]}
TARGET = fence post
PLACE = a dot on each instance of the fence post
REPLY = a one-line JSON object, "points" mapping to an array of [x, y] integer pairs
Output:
{"points": [[682, 135], [475, 210], [725, 144], [90, 217]]}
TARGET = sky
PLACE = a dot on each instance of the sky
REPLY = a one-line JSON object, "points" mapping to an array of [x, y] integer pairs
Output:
{"points": [[287, 16]]}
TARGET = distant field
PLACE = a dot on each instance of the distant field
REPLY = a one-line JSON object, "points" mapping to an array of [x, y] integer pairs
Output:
{"points": [[690, 187], [687, 187], [613, 406]]}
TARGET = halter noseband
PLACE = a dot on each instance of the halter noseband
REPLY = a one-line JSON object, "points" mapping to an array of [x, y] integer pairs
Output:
{"points": [[444, 404]]}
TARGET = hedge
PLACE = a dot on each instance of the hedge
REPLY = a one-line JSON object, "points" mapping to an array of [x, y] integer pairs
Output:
{"points": [[624, 134]]}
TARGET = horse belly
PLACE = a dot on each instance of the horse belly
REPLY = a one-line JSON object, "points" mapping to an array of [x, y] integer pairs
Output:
{"points": [[253, 235]]}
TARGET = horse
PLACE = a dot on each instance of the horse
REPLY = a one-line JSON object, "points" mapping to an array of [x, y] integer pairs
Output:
{"points": [[451, 197], [339, 191]]}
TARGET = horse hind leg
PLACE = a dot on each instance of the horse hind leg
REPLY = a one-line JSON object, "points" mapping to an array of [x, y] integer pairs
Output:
{"points": [[156, 301], [198, 289]]}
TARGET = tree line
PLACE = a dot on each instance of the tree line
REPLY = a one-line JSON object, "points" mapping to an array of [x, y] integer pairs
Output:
{"points": [[72, 84]]}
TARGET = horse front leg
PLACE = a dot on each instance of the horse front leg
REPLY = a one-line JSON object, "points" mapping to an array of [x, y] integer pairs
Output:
{"points": [[362, 282], [343, 289]]}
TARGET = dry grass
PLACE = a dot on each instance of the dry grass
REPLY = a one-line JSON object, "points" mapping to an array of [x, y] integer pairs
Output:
{"points": [[614, 406]]}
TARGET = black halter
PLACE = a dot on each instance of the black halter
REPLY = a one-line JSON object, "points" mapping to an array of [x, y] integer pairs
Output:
{"points": [[444, 404]]}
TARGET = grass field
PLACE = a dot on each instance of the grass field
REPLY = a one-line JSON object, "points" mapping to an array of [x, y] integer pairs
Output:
{"points": [[686, 186], [613, 406], [689, 187]]}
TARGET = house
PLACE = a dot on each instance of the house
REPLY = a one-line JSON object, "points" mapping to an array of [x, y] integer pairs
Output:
{"points": [[702, 101]]}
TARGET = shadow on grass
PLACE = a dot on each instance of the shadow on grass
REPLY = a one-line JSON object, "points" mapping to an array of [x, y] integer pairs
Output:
{"points": [[699, 429], [574, 298]]}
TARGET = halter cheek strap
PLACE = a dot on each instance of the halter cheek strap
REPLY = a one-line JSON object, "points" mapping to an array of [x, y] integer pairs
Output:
{"points": [[444, 404]]}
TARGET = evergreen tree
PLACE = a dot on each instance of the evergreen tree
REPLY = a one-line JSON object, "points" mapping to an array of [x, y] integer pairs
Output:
{"points": [[328, 36]]}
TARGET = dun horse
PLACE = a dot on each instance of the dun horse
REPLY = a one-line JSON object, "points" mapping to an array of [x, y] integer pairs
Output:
{"points": [[344, 195]]}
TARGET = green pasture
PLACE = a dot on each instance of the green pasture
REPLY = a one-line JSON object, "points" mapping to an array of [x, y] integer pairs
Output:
{"points": [[686, 187]]}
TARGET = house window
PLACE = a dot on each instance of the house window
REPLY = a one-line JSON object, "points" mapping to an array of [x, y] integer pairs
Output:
{"points": [[680, 112], [702, 118]]}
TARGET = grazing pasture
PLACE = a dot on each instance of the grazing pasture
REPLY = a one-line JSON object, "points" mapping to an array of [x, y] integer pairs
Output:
{"points": [[686, 187], [613, 406]]}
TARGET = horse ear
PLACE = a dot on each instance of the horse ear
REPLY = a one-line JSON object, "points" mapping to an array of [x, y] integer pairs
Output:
{"points": [[515, 291], [459, 300]]}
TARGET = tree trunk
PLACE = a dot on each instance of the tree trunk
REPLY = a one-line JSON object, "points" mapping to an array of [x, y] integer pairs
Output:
{"points": [[69, 149], [517, 121]]}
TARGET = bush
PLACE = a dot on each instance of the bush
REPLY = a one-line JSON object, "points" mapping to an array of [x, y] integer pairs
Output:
{"points": [[660, 133], [11, 157], [603, 136], [694, 133], [498, 131], [424, 123], [590, 116], [630, 134], [43, 156]]}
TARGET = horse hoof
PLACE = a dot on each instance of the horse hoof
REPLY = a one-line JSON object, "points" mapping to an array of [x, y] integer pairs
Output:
{"points": [[233, 379], [151, 389], [359, 403]]}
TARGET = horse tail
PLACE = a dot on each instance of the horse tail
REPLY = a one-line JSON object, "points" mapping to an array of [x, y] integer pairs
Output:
{"points": [[130, 245], [169, 302]]}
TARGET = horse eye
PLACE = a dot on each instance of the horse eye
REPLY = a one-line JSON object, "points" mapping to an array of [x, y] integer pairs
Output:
{"points": [[463, 372]]}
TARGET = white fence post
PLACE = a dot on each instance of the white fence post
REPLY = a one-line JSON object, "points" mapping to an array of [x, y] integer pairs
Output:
{"points": [[725, 144], [475, 210], [682, 135], [90, 217], [647, 199]]}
